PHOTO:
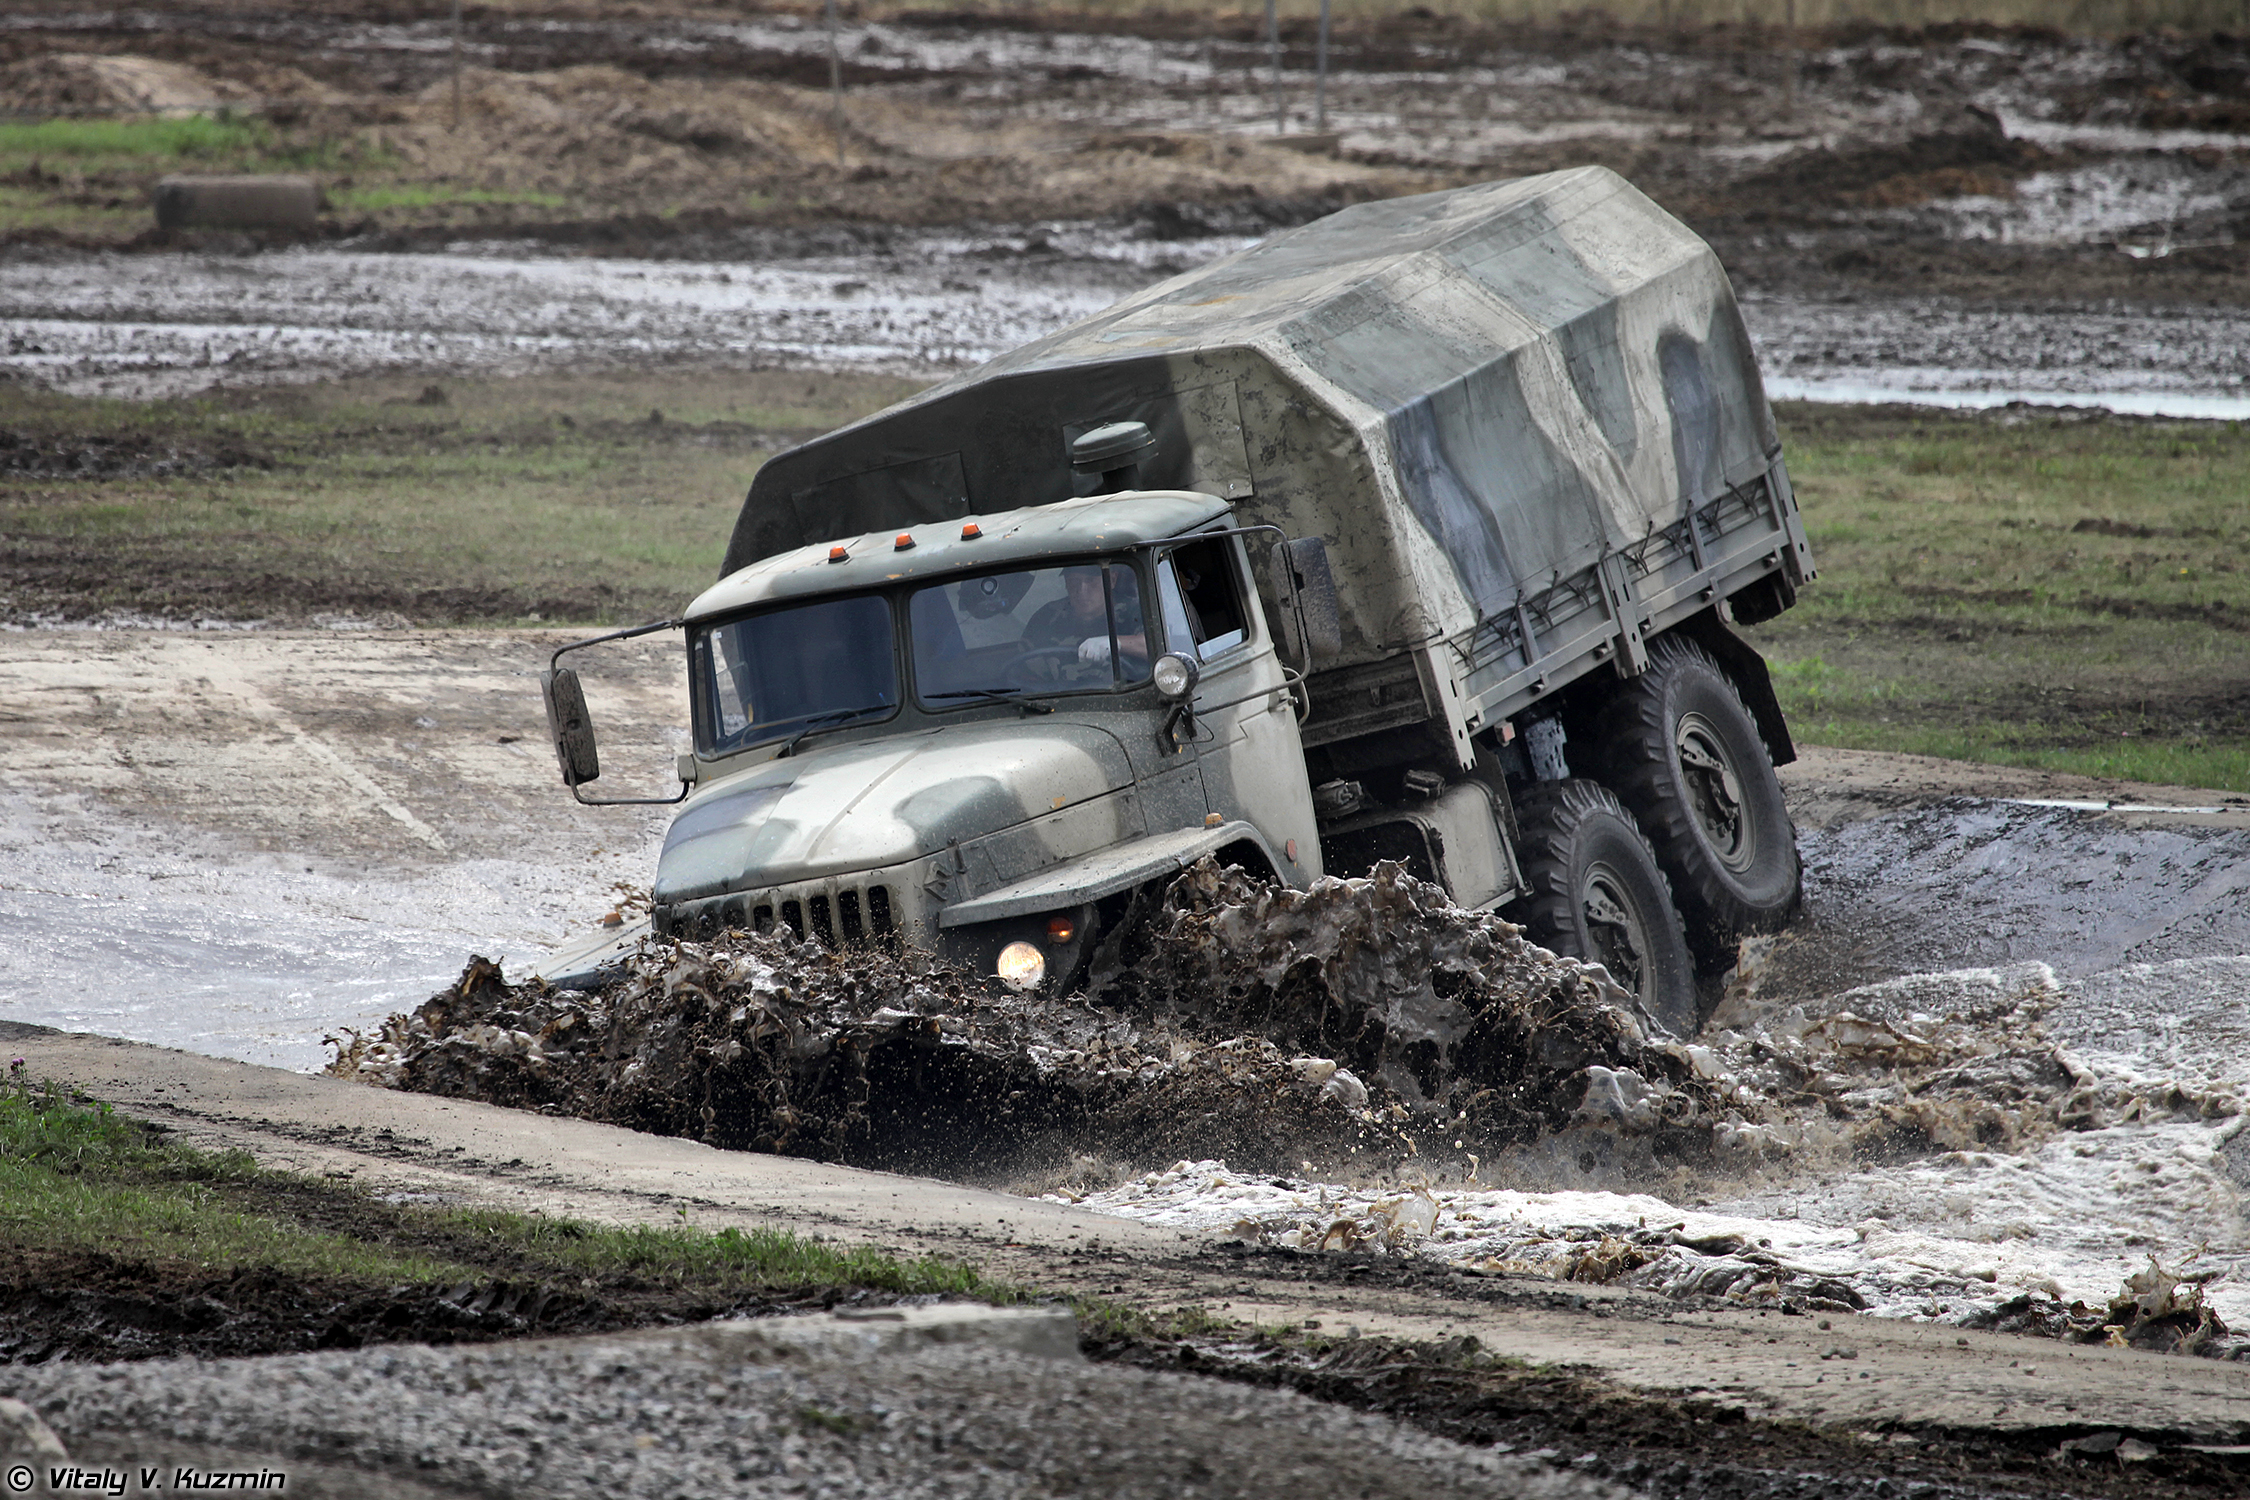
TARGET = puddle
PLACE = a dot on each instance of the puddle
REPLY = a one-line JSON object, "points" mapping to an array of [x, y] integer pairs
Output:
{"points": [[1933, 388], [147, 326], [2151, 204], [159, 325], [255, 958], [2127, 1087], [2060, 1098], [2155, 361]]}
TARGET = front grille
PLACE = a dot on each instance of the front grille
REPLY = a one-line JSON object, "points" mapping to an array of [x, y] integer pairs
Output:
{"points": [[848, 916]]}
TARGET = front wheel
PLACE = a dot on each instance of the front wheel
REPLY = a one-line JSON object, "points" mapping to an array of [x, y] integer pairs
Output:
{"points": [[1685, 756], [1595, 893]]}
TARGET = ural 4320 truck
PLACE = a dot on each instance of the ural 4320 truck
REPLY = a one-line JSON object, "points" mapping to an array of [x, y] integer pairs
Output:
{"points": [[1415, 533]]}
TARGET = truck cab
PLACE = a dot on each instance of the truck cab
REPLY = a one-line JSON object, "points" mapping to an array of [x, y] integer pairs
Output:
{"points": [[974, 734]]}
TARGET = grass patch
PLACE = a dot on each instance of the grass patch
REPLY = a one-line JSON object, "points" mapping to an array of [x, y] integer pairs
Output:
{"points": [[76, 1176], [591, 500], [413, 195], [2049, 590], [85, 140]]}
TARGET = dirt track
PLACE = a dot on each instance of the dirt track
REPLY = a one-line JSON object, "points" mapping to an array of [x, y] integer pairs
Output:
{"points": [[1984, 165], [1933, 1383]]}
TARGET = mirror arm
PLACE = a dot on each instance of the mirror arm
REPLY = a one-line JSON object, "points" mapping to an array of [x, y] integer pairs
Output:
{"points": [[626, 634]]}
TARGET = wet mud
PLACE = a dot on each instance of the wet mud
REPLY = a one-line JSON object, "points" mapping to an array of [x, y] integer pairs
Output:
{"points": [[93, 1307], [1704, 1446], [2077, 203], [1354, 1026]]}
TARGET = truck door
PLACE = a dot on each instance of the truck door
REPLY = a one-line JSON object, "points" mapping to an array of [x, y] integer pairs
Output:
{"points": [[1245, 719]]}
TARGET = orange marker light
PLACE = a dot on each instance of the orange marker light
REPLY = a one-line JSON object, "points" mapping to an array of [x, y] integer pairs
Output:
{"points": [[1061, 929], [837, 554], [904, 541], [971, 532]]}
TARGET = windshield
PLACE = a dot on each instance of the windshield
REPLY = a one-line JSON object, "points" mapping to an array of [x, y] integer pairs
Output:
{"points": [[1042, 630], [787, 671]]}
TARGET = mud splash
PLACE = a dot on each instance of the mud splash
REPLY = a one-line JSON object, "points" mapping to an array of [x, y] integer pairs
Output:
{"points": [[1986, 1148], [1348, 1028]]}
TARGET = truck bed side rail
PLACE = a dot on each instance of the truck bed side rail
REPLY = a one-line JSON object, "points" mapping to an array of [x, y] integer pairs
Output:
{"points": [[1606, 613]]}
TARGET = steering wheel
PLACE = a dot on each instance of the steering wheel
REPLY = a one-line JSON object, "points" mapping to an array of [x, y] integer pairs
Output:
{"points": [[1056, 659]]}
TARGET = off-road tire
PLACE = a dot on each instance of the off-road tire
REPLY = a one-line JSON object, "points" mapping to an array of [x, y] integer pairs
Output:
{"points": [[1582, 852], [1681, 751]]}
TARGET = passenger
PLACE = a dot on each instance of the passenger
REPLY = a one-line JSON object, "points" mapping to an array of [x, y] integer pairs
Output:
{"points": [[1079, 619]]}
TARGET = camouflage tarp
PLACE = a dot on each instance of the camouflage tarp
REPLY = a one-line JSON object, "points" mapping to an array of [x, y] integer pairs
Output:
{"points": [[1473, 396]]}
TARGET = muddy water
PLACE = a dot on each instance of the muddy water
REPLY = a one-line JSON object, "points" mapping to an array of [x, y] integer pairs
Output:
{"points": [[2052, 1105], [155, 325], [140, 326], [236, 841]]}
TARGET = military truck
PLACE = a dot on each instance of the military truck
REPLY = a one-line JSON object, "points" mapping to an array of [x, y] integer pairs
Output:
{"points": [[1415, 533]]}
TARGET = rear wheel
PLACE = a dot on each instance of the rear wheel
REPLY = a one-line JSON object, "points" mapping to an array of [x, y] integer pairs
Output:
{"points": [[1596, 893], [1685, 756]]}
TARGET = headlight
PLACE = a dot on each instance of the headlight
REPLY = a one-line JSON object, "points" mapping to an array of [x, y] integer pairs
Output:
{"points": [[1174, 675], [1021, 965]]}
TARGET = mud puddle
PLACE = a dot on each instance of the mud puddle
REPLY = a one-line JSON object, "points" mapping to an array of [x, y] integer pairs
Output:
{"points": [[2043, 1130], [255, 959], [147, 326]]}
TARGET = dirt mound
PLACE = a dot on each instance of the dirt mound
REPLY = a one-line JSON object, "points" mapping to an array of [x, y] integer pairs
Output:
{"points": [[88, 83], [1973, 158], [76, 83], [1357, 1023]]}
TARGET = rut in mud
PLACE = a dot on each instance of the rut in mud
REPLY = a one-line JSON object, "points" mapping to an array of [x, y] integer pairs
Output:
{"points": [[1357, 1025]]}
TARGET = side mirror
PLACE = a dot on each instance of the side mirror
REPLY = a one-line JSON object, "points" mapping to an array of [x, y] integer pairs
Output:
{"points": [[1308, 619], [570, 726]]}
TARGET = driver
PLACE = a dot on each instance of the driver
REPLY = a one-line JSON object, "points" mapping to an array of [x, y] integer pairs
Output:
{"points": [[1078, 618]]}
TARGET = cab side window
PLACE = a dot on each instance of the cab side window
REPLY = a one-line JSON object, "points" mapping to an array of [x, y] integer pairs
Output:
{"points": [[1202, 600]]}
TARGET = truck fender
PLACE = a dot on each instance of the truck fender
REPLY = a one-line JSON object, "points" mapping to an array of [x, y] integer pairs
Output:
{"points": [[1120, 867], [1742, 663]]}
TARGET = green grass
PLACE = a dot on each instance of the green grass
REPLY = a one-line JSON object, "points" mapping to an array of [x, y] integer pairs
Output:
{"points": [[770, 1258], [75, 1175], [2054, 591], [550, 496], [86, 140], [415, 195]]}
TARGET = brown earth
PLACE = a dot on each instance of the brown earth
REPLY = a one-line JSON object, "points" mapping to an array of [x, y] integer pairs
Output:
{"points": [[1681, 1396], [1808, 166]]}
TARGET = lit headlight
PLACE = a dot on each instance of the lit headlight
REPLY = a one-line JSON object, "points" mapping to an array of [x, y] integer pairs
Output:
{"points": [[1021, 965], [1174, 676]]}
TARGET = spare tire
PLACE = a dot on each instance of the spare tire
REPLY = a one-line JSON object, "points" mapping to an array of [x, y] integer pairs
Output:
{"points": [[1595, 893], [1681, 751]]}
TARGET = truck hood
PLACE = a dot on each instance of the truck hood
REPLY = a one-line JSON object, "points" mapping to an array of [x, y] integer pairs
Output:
{"points": [[866, 804]]}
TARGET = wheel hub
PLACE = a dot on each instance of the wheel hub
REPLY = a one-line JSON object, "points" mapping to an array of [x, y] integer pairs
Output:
{"points": [[1615, 930], [1714, 791]]}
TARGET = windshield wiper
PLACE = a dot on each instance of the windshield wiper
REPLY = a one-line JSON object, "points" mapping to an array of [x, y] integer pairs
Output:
{"points": [[998, 695], [820, 721]]}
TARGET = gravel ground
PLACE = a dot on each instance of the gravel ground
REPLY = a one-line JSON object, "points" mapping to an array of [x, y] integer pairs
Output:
{"points": [[810, 1407]]}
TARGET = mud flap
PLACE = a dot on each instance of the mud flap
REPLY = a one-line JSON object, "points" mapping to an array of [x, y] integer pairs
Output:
{"points": [[1747, 670]]}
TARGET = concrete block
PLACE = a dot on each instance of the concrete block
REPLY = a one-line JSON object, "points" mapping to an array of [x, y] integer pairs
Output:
{"points": [[241, 202]]}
